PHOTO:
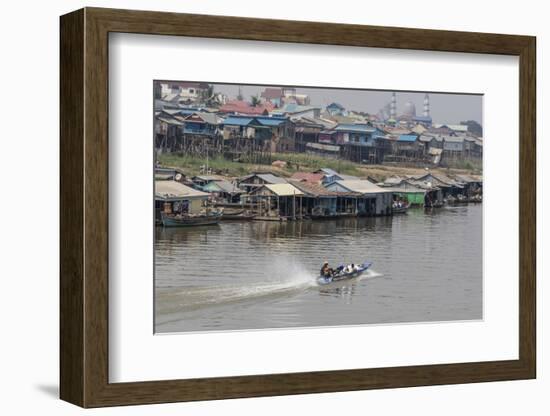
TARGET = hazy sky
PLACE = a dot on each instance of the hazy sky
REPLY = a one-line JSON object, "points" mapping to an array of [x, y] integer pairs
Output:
{"points": [[444, 108]]}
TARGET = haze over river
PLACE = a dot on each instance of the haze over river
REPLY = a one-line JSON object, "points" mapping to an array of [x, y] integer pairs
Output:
{"points": [[427, 266]]}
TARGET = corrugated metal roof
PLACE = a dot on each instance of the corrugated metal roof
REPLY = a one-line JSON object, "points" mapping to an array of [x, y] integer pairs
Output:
{"points": [[394, 180], [266, 177], [238, 121], [329, 171], [209, 118], [407, 138], [348, 177], [426, 138], [243, 107], [224, 186], [362, 186], [362, 128], [313, 189], [284, 189], [271, 121], [176, 190], [171, 121], [455, 127], [466, 179], [453, 139], [426, 119], [208, 177], [308, 176]]}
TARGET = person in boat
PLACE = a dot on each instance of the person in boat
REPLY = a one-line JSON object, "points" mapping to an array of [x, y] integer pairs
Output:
{"points": [[326, 271]]}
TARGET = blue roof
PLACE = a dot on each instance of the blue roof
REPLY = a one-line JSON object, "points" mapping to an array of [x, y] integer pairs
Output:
{"points": [[363, 128], [407, 138], [422, 118], [271, 121], [336, 105], [238, 121], [293, 108]]}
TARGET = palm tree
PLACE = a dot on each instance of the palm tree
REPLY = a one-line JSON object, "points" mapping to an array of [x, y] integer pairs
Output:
{"points": [[254, 100]]}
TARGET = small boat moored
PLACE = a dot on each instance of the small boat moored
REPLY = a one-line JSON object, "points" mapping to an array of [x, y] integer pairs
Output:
{"points": [[237, 215], [396, 209], [188, 220]]}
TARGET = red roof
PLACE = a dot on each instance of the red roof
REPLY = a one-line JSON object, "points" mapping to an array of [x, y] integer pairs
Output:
{"points": [[189, 84], [308, 177], [271, 93], [242, 107]]}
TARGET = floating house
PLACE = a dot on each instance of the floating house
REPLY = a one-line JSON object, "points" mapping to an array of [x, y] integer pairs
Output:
{"points": [[172, 174], [317, 201], [447, 186], [203, 180], [174, 197], [374, 200], [473, 185], [251, 182], [224, 192], [331, 176], [277, 202], [404, 190]]}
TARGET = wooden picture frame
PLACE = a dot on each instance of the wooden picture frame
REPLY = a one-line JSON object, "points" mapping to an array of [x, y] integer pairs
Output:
{"points": [[84, 207]]}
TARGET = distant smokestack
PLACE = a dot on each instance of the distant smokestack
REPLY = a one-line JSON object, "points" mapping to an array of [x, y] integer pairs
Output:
{"points": [[393, 106], [426, 106]]}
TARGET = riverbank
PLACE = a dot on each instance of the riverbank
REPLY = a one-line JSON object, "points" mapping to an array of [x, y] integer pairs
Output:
{"points": [[293, 163]]}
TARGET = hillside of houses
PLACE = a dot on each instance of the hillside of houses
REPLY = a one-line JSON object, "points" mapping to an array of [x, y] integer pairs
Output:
{"points": [[190, 119]]}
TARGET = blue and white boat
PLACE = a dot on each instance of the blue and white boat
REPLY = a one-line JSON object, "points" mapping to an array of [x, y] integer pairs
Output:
{"points": [[344, 273]]}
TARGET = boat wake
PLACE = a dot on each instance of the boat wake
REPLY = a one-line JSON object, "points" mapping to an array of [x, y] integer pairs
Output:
{"points": [[288, 281]]}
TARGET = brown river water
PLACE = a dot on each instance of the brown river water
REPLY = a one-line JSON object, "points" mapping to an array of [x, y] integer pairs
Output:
{"points": [[427, 266]]}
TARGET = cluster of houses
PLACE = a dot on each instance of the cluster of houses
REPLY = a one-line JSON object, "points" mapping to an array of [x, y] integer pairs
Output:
{"points": [[324, 193], [191, 118]]}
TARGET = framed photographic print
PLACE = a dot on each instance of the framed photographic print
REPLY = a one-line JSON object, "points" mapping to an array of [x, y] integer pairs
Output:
{"points": [[255, 207]]}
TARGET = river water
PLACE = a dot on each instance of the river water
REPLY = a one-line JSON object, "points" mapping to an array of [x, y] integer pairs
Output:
{"points": [[427, 266]]}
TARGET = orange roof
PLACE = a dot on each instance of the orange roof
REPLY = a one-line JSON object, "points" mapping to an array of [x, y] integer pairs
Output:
{"points": [[243, 107], [308, 176]]}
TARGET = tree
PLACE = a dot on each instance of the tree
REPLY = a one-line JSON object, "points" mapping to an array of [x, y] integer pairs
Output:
{"points": [[473, 127], [254, 100]]}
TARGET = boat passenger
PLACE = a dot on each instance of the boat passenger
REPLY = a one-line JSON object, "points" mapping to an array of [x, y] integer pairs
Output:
{"points": [[326, 271]]}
